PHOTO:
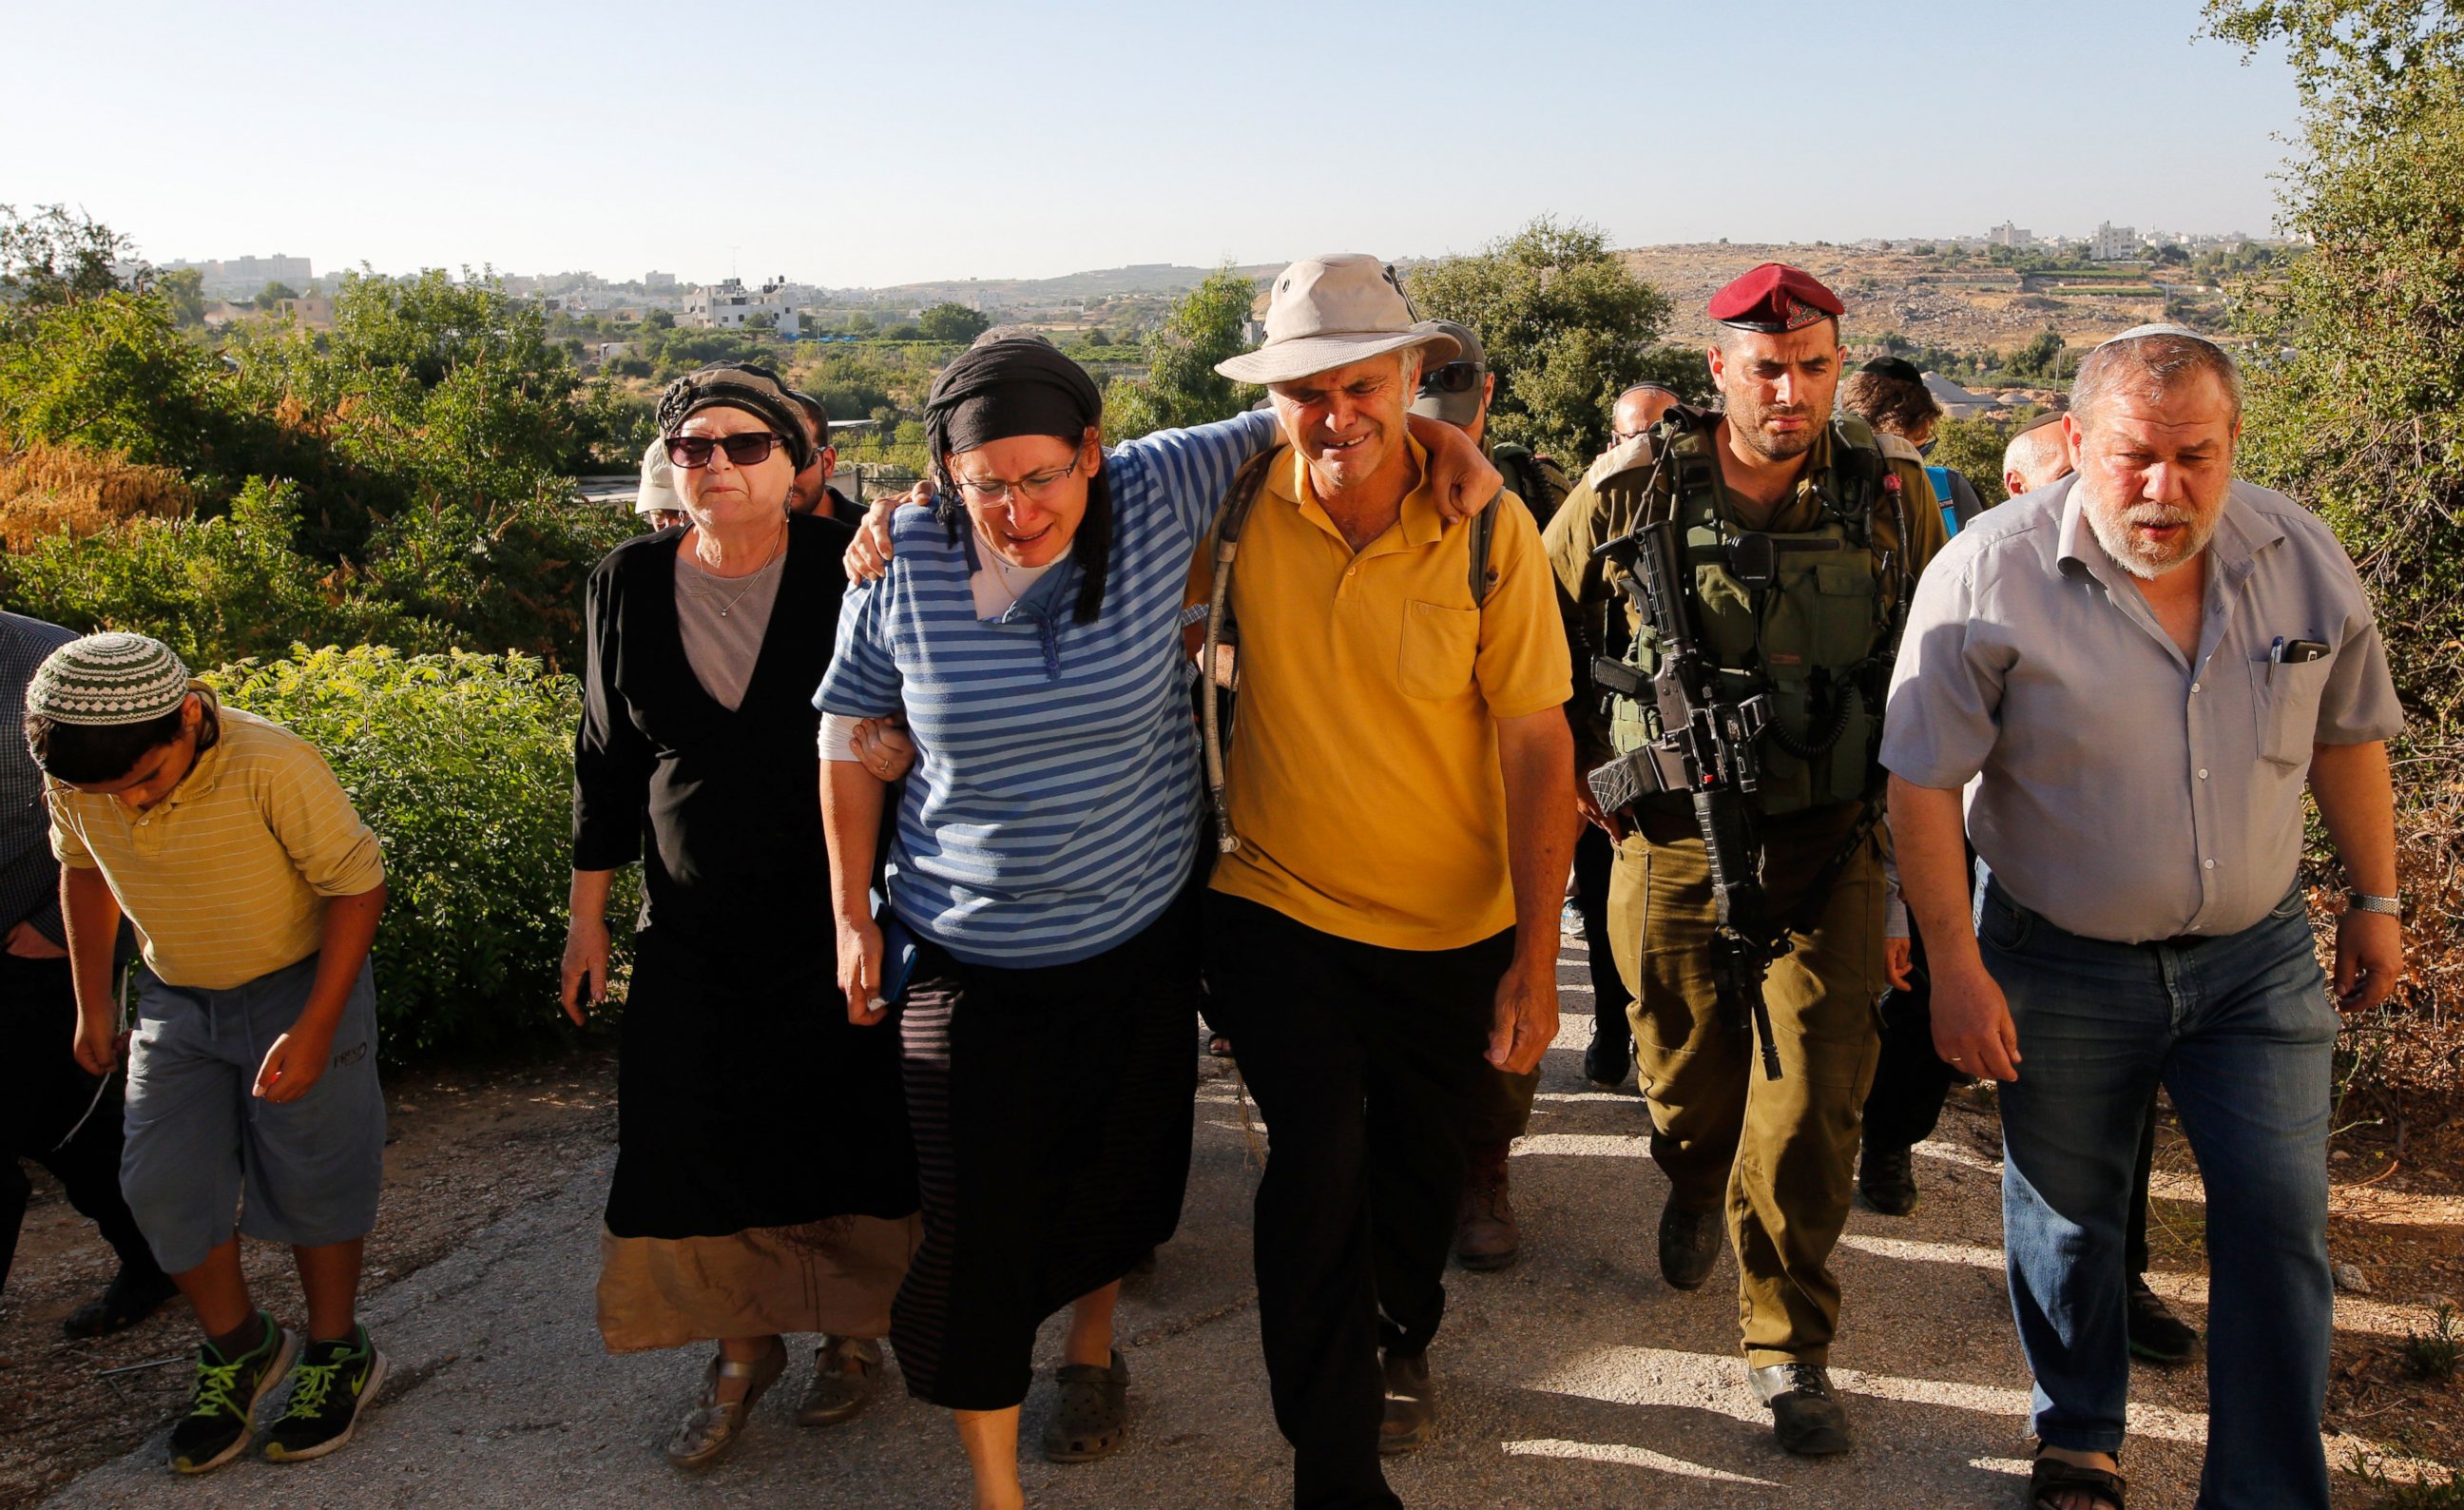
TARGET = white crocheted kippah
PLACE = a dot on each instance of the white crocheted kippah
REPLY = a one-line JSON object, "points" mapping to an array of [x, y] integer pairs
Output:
{"points": [[108, 680]]}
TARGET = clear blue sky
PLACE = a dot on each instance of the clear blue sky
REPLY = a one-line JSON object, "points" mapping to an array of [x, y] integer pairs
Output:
{"points": [[851, 145]]}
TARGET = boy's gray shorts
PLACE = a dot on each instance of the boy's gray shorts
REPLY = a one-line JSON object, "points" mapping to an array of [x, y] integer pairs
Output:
{"points": [[197, 1139]]}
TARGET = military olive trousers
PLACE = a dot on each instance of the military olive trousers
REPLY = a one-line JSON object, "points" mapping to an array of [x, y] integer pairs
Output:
{"points": [[1779, 1153]]}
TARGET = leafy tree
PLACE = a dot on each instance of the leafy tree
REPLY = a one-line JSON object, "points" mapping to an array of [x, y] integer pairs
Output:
{"points": [[2359, 409], [1099, 337], [271, 295], [908, 331], [1181, 387], [51, 258], [1565, 325], [112, 372], [953, 322], [659, 320], [861, 323], [1973, 449], [1686, 369], [2042, 357], [182, 291]]}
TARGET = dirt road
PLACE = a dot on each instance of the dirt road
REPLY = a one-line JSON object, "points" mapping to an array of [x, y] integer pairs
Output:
{"points": [[1577, 1378]]}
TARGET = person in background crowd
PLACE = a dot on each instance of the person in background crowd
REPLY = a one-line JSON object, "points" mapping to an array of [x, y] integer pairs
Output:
{"points": [[52, 1110], [1911, 1081], [1772, 1154], [1459, 392], [2140, 669], [252, 1068], [811, 493], [1397, 858], [1890, 394], [2037, 456], [1609, 1058], [764, 1181], [1050, 992], [656, 501], [1640, 408]]}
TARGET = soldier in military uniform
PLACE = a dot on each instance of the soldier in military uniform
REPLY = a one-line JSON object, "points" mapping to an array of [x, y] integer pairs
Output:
{"points": [[1486, 1234], [1806, 616]]}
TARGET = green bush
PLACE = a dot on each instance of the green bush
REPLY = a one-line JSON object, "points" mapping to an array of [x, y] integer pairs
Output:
{"points": [[463, 765], [214, 590]]}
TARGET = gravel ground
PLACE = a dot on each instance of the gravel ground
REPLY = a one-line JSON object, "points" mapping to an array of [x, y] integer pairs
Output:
{"points": [[1577, 1378]]}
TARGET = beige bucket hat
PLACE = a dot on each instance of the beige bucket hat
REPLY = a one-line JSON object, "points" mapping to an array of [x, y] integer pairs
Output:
{"points": [[1332, 310]]}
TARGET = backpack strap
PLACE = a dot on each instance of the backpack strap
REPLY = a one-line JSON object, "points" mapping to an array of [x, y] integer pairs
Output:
{"points": [[1484, 531], [1246, 484], [1940, 478]]}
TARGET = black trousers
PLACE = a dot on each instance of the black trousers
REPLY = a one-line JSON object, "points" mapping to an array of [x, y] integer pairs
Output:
{"points": [[1910, 1080], [1595, 857], [1911, 1083], [1053, 1109], [1365, 1062], [42, 1095]]}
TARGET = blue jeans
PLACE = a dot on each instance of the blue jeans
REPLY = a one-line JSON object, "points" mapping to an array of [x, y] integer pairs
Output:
{"points": [[2240, 1031]]}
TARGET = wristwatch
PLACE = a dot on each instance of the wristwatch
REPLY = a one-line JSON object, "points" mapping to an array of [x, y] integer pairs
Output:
{"points": [[2363, 902]]}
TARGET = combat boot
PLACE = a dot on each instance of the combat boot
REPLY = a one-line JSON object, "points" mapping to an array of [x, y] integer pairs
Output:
{"points": [[1487, 1237], [1689, 1245], [1887, 1179], [1806, 1414]]}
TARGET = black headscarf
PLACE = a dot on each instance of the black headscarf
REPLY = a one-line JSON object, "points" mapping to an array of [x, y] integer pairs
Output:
{"points": [[1023, 385]]}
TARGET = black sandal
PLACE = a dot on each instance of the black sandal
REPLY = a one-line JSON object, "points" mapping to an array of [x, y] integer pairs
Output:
{"points": [[2051, 1478], [127, 1300], [1091, 1418]]}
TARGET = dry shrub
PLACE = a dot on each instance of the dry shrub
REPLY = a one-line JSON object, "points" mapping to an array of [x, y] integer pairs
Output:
{"points": [[47, 489]]}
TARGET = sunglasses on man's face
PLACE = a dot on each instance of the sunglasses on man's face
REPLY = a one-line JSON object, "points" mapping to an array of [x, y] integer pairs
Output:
{"points": [[1455, 377], [748, 450]]}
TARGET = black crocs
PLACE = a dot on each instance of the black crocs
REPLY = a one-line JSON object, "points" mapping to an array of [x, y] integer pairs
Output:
{"points": [[1091, 1418]]}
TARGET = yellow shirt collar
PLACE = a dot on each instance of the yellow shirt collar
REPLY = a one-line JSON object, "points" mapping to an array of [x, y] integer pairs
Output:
{"points": [[1419, 521]]}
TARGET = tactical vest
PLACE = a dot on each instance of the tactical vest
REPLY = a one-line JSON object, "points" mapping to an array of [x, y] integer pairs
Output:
{"points": [[1816, 635]]}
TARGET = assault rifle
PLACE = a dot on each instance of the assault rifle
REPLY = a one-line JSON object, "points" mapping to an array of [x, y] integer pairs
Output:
{"points": [[1705, 750]]}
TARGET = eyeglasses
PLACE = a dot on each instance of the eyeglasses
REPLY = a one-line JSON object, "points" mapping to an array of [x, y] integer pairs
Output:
{"points": [[1035, 489], [748, 450], [1455, 377]]}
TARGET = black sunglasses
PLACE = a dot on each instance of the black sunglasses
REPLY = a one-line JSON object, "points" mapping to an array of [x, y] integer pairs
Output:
{"points": [[1455, 377], [748, 450]]}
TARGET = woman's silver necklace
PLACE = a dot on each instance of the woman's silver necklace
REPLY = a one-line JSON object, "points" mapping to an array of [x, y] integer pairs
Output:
{"points": [[777, 553]]}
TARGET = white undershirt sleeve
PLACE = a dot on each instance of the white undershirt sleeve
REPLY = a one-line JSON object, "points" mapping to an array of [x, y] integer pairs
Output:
{"points": [[837, 729]]}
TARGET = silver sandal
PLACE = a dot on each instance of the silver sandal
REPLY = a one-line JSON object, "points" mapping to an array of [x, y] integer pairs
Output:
{"points": [[715, 1424]]}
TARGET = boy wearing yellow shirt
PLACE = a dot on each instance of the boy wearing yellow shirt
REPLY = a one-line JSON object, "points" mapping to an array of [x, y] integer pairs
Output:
{"points": [[252, 1069]]}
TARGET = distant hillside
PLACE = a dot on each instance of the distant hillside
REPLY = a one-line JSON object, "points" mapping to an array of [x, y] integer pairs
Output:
{"points": [[1033, 294], [1924, 298], [1899, 293]]}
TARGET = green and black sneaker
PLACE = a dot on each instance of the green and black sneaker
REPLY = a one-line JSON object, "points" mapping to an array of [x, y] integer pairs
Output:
{"points": [[222, 1409], [333, 1383]]}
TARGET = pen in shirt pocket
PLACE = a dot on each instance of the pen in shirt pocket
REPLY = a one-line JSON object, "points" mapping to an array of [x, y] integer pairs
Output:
{"points": [[2293, 653]]}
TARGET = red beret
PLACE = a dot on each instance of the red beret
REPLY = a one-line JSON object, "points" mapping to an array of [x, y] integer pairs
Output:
{"points": [[1774, 297]]}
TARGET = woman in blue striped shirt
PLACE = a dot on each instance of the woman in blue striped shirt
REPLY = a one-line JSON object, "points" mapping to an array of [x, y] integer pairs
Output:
{"points": [[1042, 865]]}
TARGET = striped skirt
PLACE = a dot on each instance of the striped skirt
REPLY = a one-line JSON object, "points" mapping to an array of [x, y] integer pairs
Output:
{"points": [[1052, 1110]]}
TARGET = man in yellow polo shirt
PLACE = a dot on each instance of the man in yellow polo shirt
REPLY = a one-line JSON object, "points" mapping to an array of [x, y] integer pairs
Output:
{"points": [[1382, 933]]}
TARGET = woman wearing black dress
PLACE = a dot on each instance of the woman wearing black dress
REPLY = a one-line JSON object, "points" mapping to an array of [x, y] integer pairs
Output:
{"points": [[765, 1179]]}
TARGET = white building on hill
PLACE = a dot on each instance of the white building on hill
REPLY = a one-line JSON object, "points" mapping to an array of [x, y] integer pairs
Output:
{"points": [[2113, 243]]}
